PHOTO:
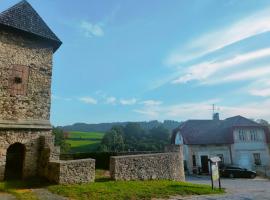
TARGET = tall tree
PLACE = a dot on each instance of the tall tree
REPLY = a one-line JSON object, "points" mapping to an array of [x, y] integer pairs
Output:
{"points": [[60, 140], [113, 141]]}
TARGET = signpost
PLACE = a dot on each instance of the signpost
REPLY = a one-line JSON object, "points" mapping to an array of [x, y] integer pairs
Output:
{"points": [[214, 171]]}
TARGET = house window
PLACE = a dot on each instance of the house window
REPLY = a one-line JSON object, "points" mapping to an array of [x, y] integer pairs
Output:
{"points": [[257, 158], [18, 80], [194, 161], [221, 158], [242, 135], [254, 135]]}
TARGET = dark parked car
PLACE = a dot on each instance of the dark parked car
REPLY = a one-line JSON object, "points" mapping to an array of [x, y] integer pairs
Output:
{"points": [[236, 172]]}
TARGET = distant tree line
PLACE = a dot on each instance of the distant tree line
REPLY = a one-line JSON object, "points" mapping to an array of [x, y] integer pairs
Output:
{"points": [[133, 137], [104, 127]]}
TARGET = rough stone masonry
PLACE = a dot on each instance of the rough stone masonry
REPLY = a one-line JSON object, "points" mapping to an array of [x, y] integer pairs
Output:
{"points": [[167, 165], [27, 46]]}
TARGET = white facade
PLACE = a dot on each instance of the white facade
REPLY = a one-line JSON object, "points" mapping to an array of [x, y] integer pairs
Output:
{"points": [[249, 149]]}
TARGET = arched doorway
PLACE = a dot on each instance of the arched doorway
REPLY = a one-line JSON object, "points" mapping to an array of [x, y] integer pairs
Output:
{"points": [[14, 161]]}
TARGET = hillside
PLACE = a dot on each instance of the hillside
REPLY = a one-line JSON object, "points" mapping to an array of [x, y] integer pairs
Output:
{"points": [[103, 127], [84, 141]]}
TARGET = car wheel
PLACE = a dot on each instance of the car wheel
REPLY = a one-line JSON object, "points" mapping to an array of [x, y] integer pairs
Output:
{"points": [[231, 175], [252, 176]]}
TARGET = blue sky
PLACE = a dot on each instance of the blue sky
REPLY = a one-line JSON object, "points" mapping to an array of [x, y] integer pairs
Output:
{"points": [[127, 60]]}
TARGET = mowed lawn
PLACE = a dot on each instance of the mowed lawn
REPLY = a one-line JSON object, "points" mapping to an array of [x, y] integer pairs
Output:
{"points": [[84, 141], [131, 190], [106, 189]]}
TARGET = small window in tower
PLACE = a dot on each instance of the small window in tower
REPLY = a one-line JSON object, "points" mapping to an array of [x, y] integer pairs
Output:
{"points": [[18, 80]]}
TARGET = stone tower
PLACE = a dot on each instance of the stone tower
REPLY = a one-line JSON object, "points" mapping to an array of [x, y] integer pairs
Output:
{"points": [[27, 46]]}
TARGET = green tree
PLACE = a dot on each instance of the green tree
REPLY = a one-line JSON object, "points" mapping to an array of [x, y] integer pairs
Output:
{"points": [[263, 122], [112, 141], [60, 140]]}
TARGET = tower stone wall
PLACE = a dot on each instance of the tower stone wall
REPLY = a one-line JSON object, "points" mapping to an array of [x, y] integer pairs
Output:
{"points": [[30, 60], [24, 105]]}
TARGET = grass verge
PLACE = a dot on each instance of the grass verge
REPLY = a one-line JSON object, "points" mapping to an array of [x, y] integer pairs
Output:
{"points": [[104, 189]]}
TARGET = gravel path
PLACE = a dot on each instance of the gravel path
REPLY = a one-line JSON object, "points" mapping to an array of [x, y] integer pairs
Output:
{"points": [[44, 194], [5, 196], [237, 189]]}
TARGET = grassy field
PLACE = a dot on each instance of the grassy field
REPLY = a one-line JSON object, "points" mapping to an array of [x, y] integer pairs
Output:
{"points": [[84, 141], [106, 189], [88, 135]]}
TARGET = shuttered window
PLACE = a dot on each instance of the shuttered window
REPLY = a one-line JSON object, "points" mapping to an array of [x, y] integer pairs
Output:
{"points": [[18, 80]]}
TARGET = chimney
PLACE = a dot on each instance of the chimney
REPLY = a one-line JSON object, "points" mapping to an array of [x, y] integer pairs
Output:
{"points": [[216, 116]]}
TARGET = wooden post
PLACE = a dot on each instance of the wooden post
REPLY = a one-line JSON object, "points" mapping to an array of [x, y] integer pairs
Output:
{"points": [[212, 181]]}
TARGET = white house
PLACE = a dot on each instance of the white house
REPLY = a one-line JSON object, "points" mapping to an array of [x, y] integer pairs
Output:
{"points": [[236, 140]]}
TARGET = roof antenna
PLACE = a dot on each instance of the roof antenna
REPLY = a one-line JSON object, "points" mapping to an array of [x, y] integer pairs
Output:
{"points": [[215, 113]]}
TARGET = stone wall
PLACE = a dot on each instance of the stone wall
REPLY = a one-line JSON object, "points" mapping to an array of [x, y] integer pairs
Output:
{"points": [[31, 141], [148, 166], [72, 172], [37, 58]]}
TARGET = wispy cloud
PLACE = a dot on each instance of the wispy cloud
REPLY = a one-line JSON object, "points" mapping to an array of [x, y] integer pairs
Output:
{"points": [[250, 74], [88, 100], [128, 101], [218, 39], [259, 88], [55, 97], [202, 110], [91, 30], [151, 103], [203, 71], [181, 111], [111, 100]]}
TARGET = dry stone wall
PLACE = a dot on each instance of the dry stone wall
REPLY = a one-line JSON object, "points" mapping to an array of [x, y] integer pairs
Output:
{"points": [[148, 167], [72, 172]]}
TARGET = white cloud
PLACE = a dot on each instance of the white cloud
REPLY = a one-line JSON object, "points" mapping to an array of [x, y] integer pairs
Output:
{"points": [[151, 103], [91, 30], [260, 92], [202, 110], [88, 100], [209, 42], [149, 113], [259, 88], [111, 100], [203, 71], [128, 101], [54, 97], [249, 74]]}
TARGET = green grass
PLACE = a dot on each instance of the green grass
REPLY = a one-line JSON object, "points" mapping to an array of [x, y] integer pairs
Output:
{"points": [[131, 190], [78, 143], [89, 142], [106, 189]]}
